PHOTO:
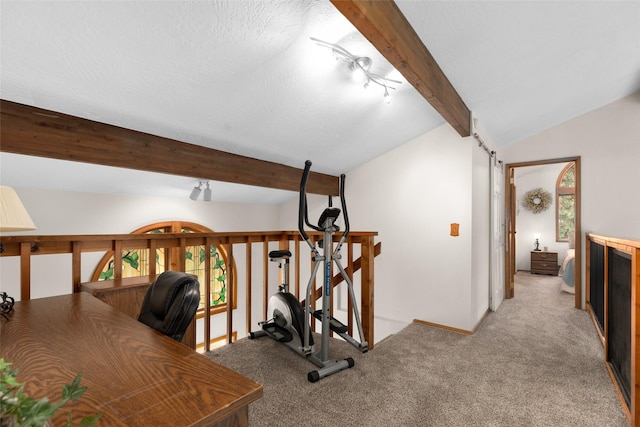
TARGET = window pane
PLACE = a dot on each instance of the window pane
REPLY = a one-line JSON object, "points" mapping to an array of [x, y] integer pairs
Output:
{"points": [[566, 215], [569, 178]]}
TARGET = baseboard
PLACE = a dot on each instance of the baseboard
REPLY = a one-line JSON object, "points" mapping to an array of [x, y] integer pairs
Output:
{"points": [[448, 328]]}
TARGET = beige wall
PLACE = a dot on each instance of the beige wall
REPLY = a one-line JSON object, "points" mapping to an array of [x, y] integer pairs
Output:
{"points": [[608, 141]]}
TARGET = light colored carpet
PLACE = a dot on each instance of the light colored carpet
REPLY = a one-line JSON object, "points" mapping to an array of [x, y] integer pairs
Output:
{"points": [[535, 362]]}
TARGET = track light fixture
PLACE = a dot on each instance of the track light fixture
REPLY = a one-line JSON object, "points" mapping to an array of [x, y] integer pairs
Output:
{"points": [[196, 191], [207, 193], [360, 66]]}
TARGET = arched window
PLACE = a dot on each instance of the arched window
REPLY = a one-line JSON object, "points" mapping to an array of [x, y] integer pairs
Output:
{"points": [[566, 203], [136, 263]]}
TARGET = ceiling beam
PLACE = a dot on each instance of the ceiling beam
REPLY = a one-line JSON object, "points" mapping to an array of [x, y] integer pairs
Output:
{"points": [[36, 132], [384, 25]]}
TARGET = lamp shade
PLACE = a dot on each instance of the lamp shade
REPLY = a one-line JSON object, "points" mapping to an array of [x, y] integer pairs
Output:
{"points": [[13, 215]]}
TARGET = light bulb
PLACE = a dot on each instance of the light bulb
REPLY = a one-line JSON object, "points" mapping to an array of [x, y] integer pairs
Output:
{"points": [[358, 75], [387, 97]]}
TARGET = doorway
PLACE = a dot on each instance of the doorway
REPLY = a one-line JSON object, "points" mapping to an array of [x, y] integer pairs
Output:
{"points": [[511, 205]]}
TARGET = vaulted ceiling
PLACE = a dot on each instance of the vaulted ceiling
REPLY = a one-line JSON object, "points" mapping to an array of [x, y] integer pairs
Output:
{"points": [[245, 78]]}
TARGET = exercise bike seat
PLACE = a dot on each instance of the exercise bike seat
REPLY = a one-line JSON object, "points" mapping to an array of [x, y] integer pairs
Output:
{"points": [[279, 254]]}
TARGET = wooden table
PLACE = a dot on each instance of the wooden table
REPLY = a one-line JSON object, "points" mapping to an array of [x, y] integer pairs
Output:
{"points": [[134, 374]]}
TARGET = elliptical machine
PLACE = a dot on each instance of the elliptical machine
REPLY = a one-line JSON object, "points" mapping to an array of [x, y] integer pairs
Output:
{"points": [[289, 321]]}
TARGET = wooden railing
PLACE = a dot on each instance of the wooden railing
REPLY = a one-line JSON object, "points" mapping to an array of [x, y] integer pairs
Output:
{"points": [[613, 278], [26, 247]]}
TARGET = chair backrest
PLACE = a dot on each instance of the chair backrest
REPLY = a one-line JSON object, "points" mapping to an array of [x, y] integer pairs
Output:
{"points": [[170, 303]]}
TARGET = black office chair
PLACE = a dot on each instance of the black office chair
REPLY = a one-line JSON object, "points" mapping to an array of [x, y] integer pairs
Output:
{"points": [[170, 303]]}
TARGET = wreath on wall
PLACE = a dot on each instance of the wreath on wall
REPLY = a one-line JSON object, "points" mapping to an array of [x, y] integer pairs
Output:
{"points": [[536, 200]]}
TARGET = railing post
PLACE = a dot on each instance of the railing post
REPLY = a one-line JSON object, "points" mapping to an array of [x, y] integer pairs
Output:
{"points": [[249, 264], [76, 265], [265, 276], [117, 259], [25, 271], [153, 250], [230, 295], [207, 294], [367, 277]]}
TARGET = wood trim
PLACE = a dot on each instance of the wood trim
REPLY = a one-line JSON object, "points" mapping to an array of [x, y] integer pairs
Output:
{"points": [[27, 246], [384, 25], [577, 263], [25, 270], [207, 291], [446, 328], [616, 242], [510, 201], [230, 291], [563, 191], [367, 290], [631, 247], [265, 277], [76, 265], [37, 132], [635, 328]]}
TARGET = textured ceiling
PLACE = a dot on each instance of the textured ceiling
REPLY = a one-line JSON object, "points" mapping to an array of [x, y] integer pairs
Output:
{"points": [[243, 77]]}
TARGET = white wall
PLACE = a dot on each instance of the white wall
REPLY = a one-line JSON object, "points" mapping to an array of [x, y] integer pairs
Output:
{"points": [[62, 213], [528, 224], [410, 196], [608, 141]]}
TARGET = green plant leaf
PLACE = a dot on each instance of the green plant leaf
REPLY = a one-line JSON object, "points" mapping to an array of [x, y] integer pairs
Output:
{"points": [[219, 263], [188, 255], [29, 412], [107, 275], [91, 420], [73, 391]]}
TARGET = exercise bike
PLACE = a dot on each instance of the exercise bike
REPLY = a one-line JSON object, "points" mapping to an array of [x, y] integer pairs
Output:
{"points": [[289, 321]]}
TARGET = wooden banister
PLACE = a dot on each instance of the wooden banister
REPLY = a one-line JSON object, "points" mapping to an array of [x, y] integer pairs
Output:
{"points": [[611, 280], [26, 247]]}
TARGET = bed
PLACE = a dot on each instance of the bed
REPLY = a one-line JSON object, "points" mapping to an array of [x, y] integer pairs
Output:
{"points": [[567, 272]]}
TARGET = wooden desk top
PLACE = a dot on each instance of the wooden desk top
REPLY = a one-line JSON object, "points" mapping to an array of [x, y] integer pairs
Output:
{"points": [[134, 374], [115, 284]]}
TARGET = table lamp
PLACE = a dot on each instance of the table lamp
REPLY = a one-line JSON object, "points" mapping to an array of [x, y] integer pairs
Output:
{"points": [[13, 215]]}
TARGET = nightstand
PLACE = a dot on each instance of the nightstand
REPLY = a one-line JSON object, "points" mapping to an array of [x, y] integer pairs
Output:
{"points": [[544, 262]]}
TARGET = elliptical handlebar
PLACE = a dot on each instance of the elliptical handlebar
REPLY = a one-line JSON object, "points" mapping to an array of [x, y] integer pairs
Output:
{"points": [[302, 208], [303, 216], [344, 206]]}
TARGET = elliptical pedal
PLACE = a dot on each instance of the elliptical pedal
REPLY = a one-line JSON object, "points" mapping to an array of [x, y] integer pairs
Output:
{"points": [[276, 332], [334, 324]]}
